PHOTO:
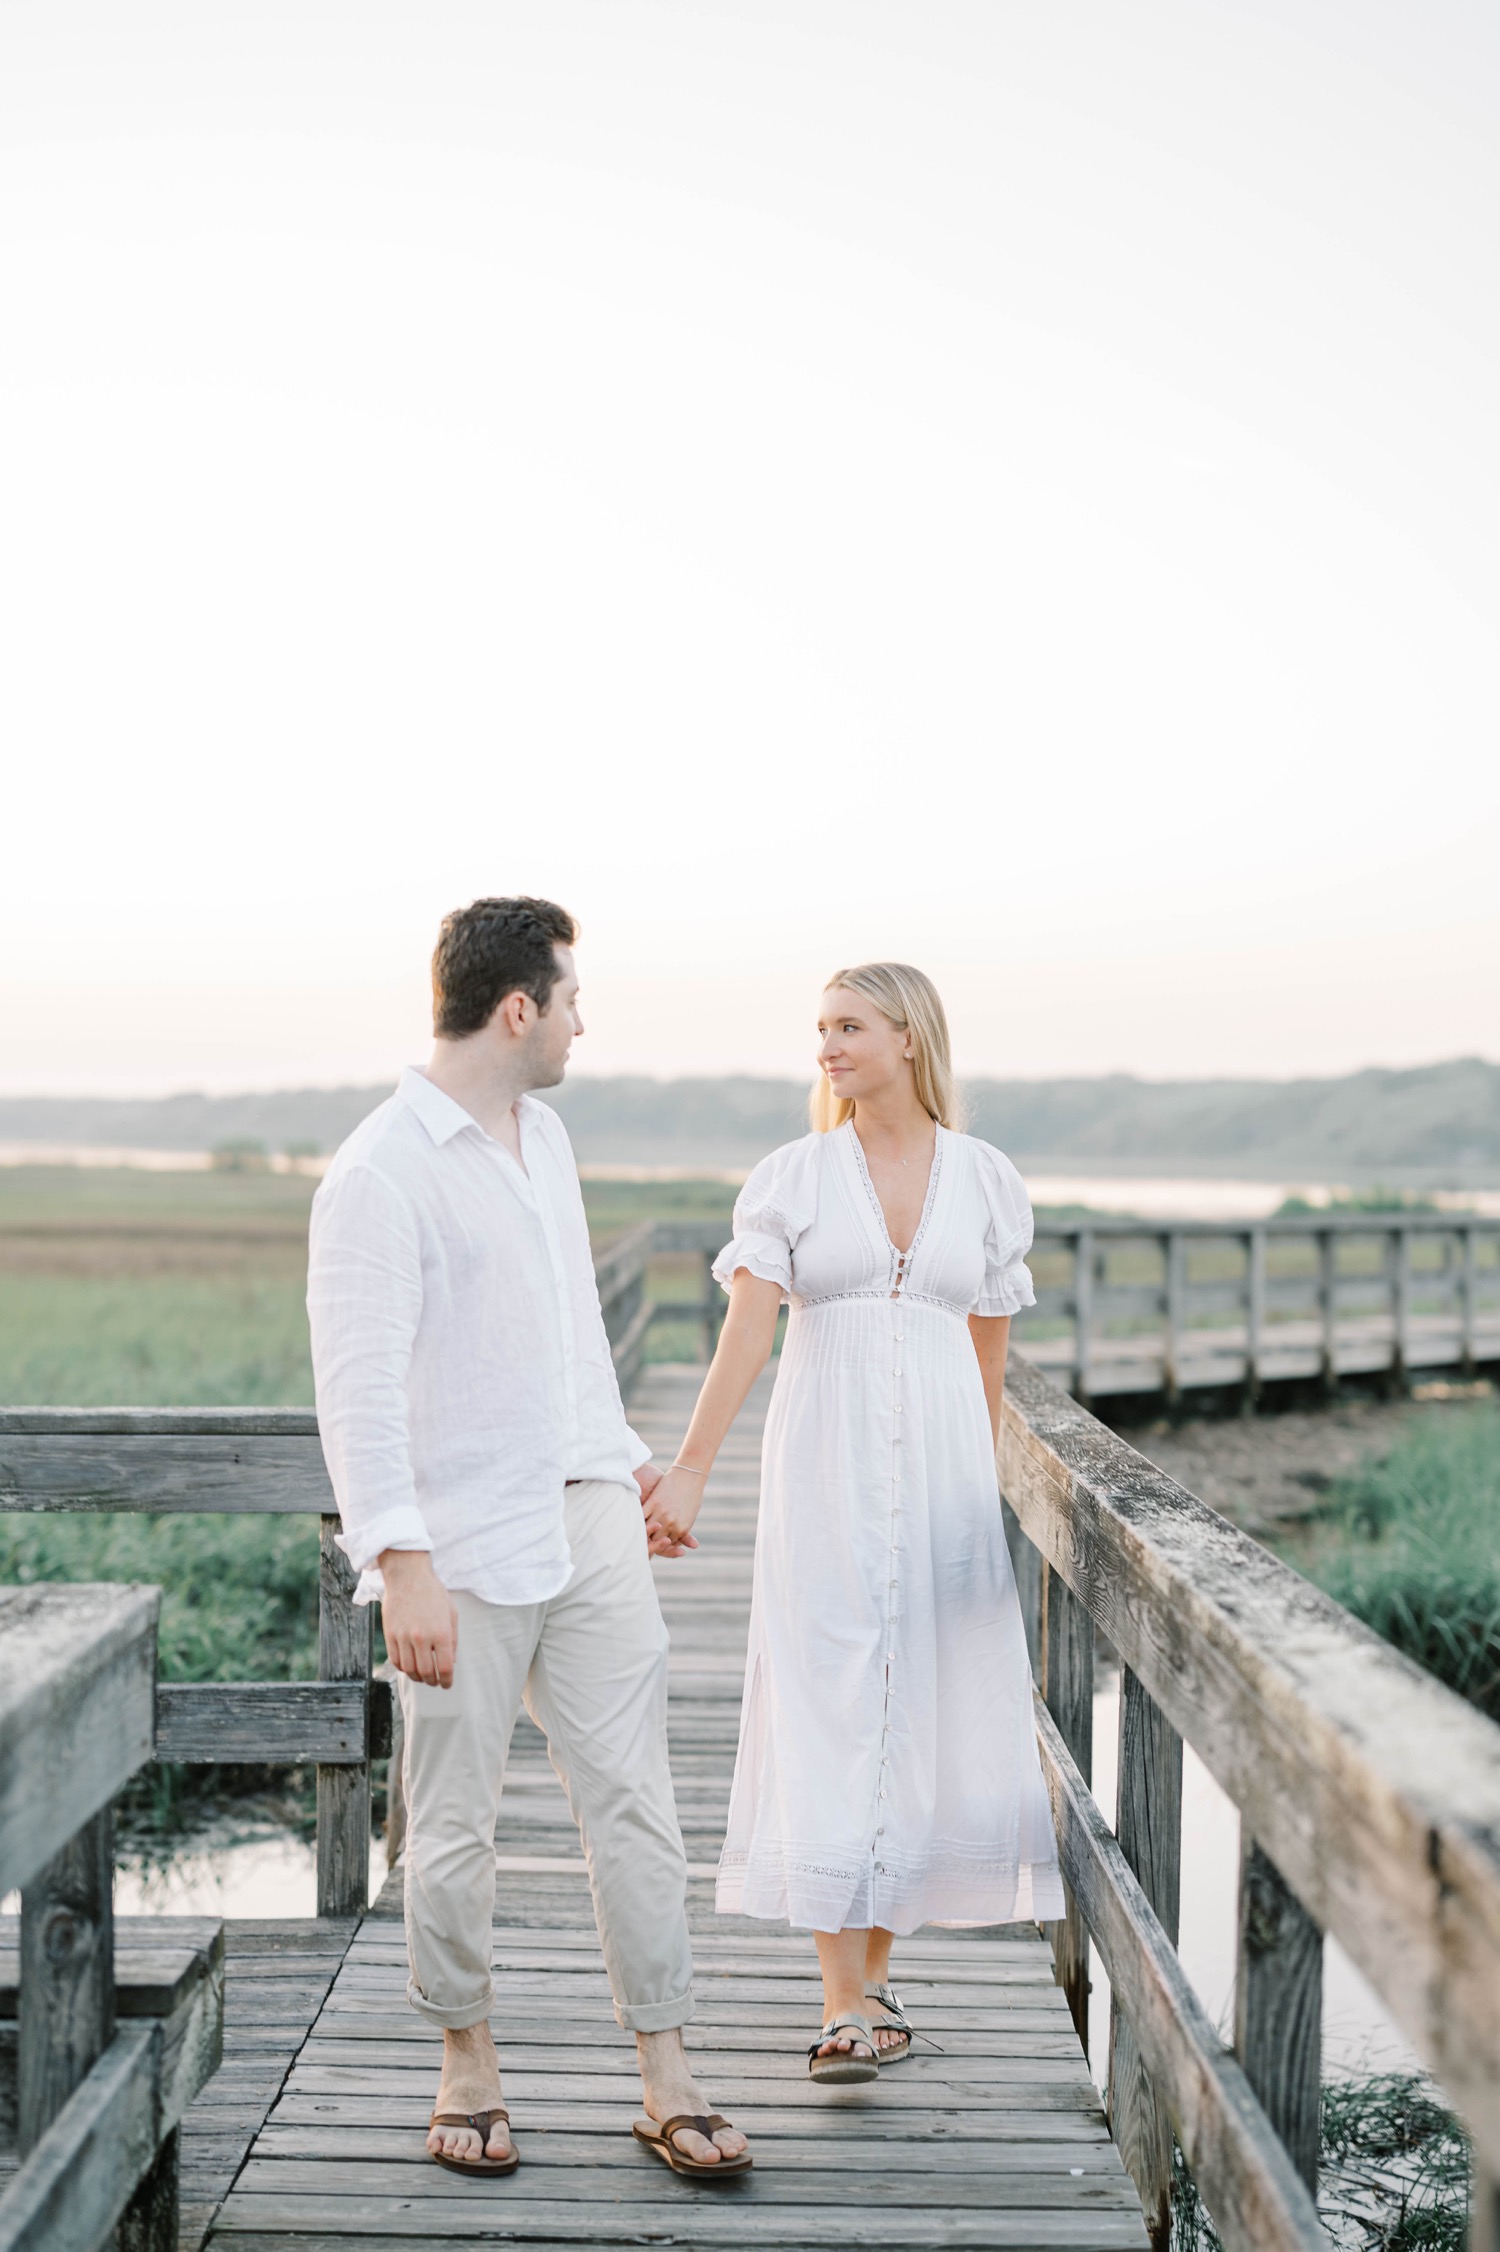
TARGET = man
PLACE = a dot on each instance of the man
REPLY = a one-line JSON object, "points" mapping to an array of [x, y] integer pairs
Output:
{"points": [[491, 1493]]}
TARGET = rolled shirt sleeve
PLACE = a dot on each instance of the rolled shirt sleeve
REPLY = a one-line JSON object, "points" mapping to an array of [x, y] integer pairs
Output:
{"points": [[364, 1302]]}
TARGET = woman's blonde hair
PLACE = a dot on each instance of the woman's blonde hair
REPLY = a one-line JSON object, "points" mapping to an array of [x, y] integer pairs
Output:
{"points": [[910, 1002]]}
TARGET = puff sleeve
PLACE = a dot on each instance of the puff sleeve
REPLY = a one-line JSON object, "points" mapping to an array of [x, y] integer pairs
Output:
{"points": [[776, 1203], [1007, 1281]]}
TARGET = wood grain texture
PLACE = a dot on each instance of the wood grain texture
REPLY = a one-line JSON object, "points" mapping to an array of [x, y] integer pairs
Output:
{"points": [[344, 1644], [77, 1696], [1247, 2179], [264, 1722], [1278, 2006], [65, 2005], [214, 1471], [1374, 1790], [1148, 1826], [1068, 1686]]}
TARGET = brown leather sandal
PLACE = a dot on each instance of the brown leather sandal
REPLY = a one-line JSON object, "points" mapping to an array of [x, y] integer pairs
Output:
{"points": [[484, 2168], [660, 2140]]}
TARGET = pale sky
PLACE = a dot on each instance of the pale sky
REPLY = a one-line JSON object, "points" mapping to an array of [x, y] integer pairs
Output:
{"points": [[1010, 485]]}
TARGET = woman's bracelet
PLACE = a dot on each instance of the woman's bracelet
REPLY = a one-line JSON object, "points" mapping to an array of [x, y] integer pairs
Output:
{"points": [[688, 1467]]}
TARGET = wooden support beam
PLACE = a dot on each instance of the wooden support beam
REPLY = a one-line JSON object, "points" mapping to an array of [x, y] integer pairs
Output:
{"points": [[344, 1642], [67, 1983], [1278, 2014], [273, 1723], [1148, 1824], [1026, 1563], [1255, 1311], [1083, 1313], [1068, 1677]]}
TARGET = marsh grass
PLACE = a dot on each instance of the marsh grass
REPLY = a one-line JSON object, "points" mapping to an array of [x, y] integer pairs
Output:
{"points": [[1411, 1545], [1393, 2172]]}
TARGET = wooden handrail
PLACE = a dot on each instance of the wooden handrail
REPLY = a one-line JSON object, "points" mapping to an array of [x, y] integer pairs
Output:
{"points": [[1371, 1793], [1258, 1316], [95, 2106]]}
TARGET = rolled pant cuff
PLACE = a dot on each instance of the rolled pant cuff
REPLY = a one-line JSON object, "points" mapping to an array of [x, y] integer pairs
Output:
{"points": [[656, 2017], [456, 2019]]}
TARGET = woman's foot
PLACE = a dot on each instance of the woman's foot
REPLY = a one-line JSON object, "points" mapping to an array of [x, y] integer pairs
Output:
{"points": [[470, 2083], [669, 2091], [888, 2021], [845, 2051]]}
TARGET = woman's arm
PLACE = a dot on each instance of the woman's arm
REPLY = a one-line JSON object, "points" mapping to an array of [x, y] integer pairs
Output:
{"points": [[991, 1335], [744, 1348]]}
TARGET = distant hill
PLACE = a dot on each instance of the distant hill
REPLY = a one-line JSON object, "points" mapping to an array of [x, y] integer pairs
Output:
{"points": [[1440, 1122]]}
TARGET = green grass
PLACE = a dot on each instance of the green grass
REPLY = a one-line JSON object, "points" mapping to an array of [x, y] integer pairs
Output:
{"points": [[238, 1339], [1411, 1545]]}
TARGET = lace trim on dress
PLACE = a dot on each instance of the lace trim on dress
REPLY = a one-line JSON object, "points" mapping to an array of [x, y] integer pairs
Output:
{"points": [[905, 1257]]}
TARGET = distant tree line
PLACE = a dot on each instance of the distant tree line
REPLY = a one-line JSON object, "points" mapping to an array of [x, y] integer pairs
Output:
{"points": [[1440, 1119]]}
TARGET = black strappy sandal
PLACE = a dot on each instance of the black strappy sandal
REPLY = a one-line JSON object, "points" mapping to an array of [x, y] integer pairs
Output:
{"points": [[840, 2070], [485, 2169]]}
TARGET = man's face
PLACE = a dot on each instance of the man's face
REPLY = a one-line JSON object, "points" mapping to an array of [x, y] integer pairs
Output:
{"points": [[557, 1026]]}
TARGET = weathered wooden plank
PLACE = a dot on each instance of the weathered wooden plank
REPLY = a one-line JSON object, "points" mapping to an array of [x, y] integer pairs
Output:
{"points": [[1148, 1825], [344, 1641], [66, 2000], [72, 2188], [1068, 1677], [268, 1722], [721, 2217], [1278, 2008], [266, 1474], [1375, 1791], [77, 1681], [1246, 2176]]}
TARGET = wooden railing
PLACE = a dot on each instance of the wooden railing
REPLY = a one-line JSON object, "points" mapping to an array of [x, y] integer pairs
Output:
{"points": [[102, 2045], [1370, 1806], [1199, 1303]]}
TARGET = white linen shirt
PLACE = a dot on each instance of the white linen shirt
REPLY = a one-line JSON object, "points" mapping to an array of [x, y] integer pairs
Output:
{"points": [[463, 1374]]}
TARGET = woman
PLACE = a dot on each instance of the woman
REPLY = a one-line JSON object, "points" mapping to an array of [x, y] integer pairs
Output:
{"points": [[887, 1773]]}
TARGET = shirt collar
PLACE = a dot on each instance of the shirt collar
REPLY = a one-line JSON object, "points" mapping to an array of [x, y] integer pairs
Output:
{"points": [[439, 1113]]}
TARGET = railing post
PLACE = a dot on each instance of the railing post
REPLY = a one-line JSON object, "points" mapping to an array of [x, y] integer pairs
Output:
{"points": [[343, 1792], [1255, 1312], [1026, 1563], [1174, 1260], [1328, 1304], [713, 1306], [1148, 1824], [1068, 1686], [1401, 1261], [1470, 1288], [1278, 2006], [67, 1999], [1083, 1314]]}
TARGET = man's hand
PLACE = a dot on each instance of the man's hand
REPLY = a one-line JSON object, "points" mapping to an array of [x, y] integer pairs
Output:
{"points": [[421, 1624], [671, 1507]]}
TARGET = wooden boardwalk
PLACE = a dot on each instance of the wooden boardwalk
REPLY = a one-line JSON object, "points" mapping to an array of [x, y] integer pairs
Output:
{"points": [[996, 2140]]}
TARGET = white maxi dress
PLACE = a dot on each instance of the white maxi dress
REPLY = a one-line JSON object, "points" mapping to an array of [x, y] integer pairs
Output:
{"points": [[887, 1770]]}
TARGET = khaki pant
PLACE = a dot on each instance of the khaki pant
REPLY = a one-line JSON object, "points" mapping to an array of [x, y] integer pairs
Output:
{"points": [[591, 1665]]}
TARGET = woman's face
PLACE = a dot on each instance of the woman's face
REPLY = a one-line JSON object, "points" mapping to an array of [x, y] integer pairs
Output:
{"points": [[861, 1051]]}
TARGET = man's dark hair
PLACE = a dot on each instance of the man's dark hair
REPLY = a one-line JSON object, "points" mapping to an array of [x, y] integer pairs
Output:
{"points": [[492, 948]]}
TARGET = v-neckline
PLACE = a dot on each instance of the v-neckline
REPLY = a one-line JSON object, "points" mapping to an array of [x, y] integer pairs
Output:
{"points": [[874, 1194]]}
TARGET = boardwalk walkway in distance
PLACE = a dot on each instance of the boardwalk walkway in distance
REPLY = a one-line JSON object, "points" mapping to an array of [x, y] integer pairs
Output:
{"points": [[996, 2141]]}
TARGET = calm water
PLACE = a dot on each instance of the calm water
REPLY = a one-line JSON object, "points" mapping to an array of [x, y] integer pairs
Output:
{"points": [[1357, 2033]]}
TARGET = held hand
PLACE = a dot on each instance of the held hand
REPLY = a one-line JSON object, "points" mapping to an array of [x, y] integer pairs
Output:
{"points": [[670, 1512], [420, 1621], [648, 1477]]}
